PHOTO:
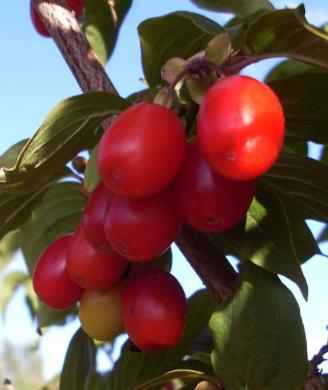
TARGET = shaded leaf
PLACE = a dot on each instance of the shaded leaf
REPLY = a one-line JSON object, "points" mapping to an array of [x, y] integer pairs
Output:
{"points": [[278, 250], [15, 210], [259, 336], [79, 363], [305, 102], [290, 68], [304, 181], [179, 34], [68, 129], [133, 369], [91, 174], [58, 213], [9, 284], [101, 24], [285, 33], [323, 235], [47, 316], [9, 244], [175, 374], [237, 7]]}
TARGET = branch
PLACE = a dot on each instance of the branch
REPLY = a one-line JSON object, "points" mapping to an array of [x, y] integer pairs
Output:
{"points": [[212, 266], [73, 45]]}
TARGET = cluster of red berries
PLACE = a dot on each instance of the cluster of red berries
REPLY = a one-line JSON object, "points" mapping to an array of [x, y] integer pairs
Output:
{"points": [[152, 183], [73, 5]]}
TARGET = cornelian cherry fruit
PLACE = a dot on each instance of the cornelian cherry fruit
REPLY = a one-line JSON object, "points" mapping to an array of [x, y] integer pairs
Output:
{"points": [[141, 152], [74, 5], [141, 229], [100, 313], [210, 202], [94, 215], [51, 281], [91, 268], [154, 310], [240, 127]]}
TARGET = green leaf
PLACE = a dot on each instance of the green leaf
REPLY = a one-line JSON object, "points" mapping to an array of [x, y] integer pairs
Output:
{"points": [[179, 34], [58, 213], [259, 336], [175, 374], [323, 235], [304, 181], [290, 68], [9, 284], [47, 316], [9, 244], [237, 7], [15, 210], [133, 369], [68, 129], [285, 33], [9, 157], [101, 24], [276, 250], [91, 174], [305, 102], [79, 363]]}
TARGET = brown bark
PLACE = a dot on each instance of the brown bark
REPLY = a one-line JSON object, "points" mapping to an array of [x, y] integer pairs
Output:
{"points": [[212, 267]]}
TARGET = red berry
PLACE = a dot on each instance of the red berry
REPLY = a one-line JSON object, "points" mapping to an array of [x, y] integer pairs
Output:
{"points": [[240, 127], [210, 202], [153, 310], [141, 229], [94, 215], [91, 268], [141, 152], [74, 5], [50, 279]]}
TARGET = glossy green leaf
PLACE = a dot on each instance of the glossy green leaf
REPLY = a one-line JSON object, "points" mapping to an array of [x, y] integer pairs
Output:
{"points": [[237, 7], [304, 182], [305, 102], [68, 129], [101, 24], [278, 250], [135, 368], [285, 33], [259, 336], [9, 284], [58, 213], [79, 363], [179, 34], [91, 174]]}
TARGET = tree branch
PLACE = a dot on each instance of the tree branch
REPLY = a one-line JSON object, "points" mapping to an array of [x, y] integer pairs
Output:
{"points": [[211, 265], [73, 45]]}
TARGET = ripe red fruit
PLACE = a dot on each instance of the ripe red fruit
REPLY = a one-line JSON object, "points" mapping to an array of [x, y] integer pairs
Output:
{"points": [[94, 215], [210, 202], [141, 229], [240, 127], [91, 268], [153, 310], [50, 278], [141, 151], [74, 5]]}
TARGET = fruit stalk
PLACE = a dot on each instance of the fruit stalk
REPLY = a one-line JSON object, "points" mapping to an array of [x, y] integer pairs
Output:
{"points": [[210, 264]]}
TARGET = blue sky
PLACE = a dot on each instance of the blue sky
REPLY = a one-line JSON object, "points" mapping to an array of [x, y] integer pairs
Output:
{"points": [[34, 77]]}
